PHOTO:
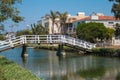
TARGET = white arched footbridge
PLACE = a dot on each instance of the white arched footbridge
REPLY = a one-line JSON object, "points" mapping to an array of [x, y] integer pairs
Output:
{"points": [[44, 39]]}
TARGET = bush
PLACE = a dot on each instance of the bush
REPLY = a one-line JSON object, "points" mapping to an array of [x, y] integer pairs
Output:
{"points": [[1, 37], [104, 51], [96, 51], [93, 32], [118, 52]]}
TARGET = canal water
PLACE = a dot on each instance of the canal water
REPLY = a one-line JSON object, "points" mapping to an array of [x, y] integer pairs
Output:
{"points": [[46, 65]]}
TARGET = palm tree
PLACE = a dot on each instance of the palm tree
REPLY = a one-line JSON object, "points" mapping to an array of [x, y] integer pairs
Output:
{"points": [[34, 28], [63, 18], [37, 29], [53, 17]]}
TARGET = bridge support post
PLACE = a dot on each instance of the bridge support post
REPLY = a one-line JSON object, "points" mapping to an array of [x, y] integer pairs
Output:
{"points": [[24, 54], [60, 51]]}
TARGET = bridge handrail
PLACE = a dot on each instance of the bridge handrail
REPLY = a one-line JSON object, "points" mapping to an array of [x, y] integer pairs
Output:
{"points": [[78, 42], [24, 39], [11, 42]]}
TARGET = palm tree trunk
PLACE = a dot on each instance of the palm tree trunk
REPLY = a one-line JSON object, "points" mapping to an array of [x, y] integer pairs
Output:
{"points": [[52, 28]]}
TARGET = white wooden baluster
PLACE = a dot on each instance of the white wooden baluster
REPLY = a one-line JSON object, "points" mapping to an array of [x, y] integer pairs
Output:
{"points": [[11, 43], [38, 39], [74, 41], [25, 41], [47, 38], [50, 38]]}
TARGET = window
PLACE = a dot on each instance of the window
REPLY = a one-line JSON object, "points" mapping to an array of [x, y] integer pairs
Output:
{"points": [[110, 22], [46, 25], [78, 23]]}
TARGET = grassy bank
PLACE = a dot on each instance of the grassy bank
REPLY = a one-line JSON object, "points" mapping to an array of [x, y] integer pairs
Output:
{"points": [[110, 52], [11, 71]]}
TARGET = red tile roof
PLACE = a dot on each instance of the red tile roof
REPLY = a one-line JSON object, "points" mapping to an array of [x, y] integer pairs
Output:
{"points": [[99, 18], [106, 18]]}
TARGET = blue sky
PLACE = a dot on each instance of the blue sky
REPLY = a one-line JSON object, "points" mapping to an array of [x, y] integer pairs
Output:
{"points": [[33, 10]]}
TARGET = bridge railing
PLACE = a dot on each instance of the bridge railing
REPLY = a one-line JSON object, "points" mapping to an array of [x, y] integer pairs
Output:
{"points": [[9, 43], [57, 39], [78, 42], [42, 38], [25, 39]]}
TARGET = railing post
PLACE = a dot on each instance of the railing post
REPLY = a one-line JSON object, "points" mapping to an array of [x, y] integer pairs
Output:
{"points": [[47, 39], [35, 38], [63, 40], [50, 38], [11, 43], [38, 39], [59, 39], [25, 40], [74, 41], [21, 39], [94, 45], [84, 45]]}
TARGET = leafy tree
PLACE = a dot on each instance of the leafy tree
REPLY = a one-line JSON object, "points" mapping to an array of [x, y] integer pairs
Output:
{"points": [[117, 30], [2, 37], [116, 8], [2, 27], [23, 32], [92, 32], [63, 18], [38, 29], [8, 10], [109, 33]]}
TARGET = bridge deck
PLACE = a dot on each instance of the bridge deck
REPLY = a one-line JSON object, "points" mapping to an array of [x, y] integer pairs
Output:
{"points": [[44, 39]]}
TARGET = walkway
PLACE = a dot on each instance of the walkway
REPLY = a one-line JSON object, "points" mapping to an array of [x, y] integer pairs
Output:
{"points": [[44, 39]]}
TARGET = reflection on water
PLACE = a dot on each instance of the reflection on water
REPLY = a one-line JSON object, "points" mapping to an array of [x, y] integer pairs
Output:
{"points": [[47, 65]]}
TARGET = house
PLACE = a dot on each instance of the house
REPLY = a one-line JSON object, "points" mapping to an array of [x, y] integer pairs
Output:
{"points": [[47, 22], [73, 21], [10, 35], [108, 21]]}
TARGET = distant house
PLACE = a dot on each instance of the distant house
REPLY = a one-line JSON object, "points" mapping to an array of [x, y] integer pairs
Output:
{"points": [[10, 35], [108, 21], [73, 21], [47, 22]]}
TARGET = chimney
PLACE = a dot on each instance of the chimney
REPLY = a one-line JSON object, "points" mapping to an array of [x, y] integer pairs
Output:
{"points": [[80, 14], [94, 16]]}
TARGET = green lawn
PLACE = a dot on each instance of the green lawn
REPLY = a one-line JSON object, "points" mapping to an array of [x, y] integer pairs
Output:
{"points": [[11, 71]]}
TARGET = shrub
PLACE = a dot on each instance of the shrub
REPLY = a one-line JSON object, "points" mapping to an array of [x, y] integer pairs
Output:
{"points": [[104, 51]]}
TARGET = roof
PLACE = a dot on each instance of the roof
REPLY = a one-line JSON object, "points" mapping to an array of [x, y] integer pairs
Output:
{"points": [[106, 18], [99, 18]]}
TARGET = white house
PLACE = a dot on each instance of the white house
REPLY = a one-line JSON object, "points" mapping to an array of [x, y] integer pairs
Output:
{"points": [[108, 21], [73, 21], [47, 22], [10, 35]]}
